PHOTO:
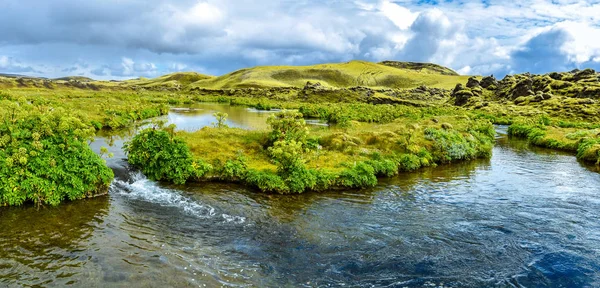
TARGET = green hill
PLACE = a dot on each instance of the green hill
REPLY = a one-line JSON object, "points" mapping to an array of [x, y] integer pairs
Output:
{"points": [[75, 78], [167, 81], [421, 67], [339, 75]]}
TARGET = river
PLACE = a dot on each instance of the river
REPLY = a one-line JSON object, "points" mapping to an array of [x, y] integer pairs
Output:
{"points": [[528, 217]]}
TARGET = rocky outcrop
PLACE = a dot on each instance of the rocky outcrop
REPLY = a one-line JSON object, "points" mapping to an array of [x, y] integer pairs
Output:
{"points": [[472, 82], [461, 95], [489, 82]]}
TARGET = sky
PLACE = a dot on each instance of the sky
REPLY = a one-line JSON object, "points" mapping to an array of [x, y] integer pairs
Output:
{"points": [[120, 39]]}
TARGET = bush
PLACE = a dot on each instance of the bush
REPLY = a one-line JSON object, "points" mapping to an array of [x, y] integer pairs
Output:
{"points": [[45, 158], [358, 176], [450, 145], [287, 126], [234, 170], [266, 181], [161, 156]]}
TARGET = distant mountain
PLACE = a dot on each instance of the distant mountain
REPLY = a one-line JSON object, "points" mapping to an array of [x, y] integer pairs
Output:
{"points": [[6, 75]]}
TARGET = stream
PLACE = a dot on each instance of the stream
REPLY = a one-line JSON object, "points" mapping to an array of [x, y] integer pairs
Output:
{"points": [[527, 217]]}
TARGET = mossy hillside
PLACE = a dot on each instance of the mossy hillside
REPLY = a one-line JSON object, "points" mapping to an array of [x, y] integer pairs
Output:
{"points": [[421, 67], [45, 157], [285, 161], [580, 138], [335, 75], [173, 81]]}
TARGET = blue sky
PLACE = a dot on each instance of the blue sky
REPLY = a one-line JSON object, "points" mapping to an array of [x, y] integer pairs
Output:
{"points": [[117, 39]]}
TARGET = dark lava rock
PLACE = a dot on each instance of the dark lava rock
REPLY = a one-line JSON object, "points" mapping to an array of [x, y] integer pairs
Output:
{"points": [[584, 74], [457, 88], [556, 75], [523, 88], [488, 82], [472, 82], [462, 97], [313, 86]]}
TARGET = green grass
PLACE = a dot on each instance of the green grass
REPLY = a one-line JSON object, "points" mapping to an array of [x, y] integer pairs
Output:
{"points": [[582, 138]]}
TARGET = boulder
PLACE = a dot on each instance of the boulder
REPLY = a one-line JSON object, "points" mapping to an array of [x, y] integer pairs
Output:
{"points": [[556, 75], [472, 82], [462, 97], [488, 81], [523, 88], [313, 86]]}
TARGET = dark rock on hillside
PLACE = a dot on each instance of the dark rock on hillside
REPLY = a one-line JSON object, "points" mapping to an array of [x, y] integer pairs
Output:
{"points": [[489, 82], [472, 82], [420, 66], [523, 88], [556, 75], [589, 92], [461, 95], [585, 74], [313, 86]]}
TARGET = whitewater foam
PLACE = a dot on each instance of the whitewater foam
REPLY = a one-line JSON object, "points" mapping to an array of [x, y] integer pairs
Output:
{"points": [[141, 188]]}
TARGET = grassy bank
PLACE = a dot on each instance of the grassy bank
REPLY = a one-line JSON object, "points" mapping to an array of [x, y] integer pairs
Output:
{"points": [[292, 158], [580, 138]]}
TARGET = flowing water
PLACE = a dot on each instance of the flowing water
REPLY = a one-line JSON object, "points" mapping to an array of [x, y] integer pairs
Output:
{"points": [[526, 218]]}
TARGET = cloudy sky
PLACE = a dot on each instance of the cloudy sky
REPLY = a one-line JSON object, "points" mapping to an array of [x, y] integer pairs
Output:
{"points": [[117, 39]]}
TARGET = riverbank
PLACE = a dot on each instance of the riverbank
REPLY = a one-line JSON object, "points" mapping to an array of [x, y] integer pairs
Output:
{"points": [[580, 138]]}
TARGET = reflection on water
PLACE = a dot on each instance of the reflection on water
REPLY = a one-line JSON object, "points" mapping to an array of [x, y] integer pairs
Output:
{"points": [[49, 245], [526, 218], [195, 117]]}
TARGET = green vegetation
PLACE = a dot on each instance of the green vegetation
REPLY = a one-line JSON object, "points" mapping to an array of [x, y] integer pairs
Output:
{"points": [[45, 157], [581, 138], [293, 158], [387, 118]]}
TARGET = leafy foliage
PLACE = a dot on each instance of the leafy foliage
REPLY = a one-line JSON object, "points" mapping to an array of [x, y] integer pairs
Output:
{"points": [[45, 157], [221, 119], [287, 126], [161, 156]]}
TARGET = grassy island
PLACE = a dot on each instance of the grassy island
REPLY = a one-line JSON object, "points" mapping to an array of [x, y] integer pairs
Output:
{"points": [[291, 158]]}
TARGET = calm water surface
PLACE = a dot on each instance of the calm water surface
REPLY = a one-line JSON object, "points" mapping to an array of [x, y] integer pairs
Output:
{"points": [[526, 218]]}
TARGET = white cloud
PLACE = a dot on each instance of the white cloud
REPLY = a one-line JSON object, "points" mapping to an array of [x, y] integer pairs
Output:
{"points": [[10, 65], [401, 16], [468, 35]]}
